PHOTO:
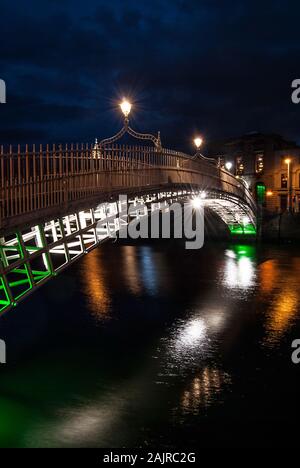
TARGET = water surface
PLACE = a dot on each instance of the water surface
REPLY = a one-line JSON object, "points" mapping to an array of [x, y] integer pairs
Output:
{"points": [[150, 345]]}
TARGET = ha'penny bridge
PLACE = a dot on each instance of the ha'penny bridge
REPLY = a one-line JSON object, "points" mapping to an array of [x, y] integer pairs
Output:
{"points": [[59, 202]]}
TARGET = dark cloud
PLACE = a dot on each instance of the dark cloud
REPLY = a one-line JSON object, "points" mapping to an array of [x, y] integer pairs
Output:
{"points": [[220, 68]]}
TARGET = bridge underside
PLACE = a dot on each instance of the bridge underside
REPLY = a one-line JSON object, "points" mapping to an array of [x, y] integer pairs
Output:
{"points": [[239, 219], [31, 256]]}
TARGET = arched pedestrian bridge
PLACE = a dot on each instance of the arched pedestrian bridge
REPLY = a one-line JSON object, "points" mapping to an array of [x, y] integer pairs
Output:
{"points": [[56, 202]]}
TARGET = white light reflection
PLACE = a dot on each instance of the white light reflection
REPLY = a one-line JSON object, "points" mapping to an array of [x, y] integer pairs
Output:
{"points": [[191, 342], [230, 254], [238, 272], [78, 425], [192, 334], [187, 345]]}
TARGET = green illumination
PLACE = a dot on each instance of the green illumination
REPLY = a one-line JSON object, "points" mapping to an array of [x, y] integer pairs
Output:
{"points": [[14, 419], [4, 302], [26, 280], [18, 283], [237, 229], [40, 275], [37, 276], [261, 193], [20, 270], [244, 250]]}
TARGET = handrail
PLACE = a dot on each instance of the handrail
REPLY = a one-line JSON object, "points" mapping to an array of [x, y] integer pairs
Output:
{"points": [[44, 176]]}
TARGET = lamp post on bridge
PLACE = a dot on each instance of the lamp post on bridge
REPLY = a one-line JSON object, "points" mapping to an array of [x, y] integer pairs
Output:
{"points": [[126, 107], [198, 142]]}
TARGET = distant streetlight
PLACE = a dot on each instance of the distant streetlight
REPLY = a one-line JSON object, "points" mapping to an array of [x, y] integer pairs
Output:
{"points": [[198, 142], [125, 107], [288, 162], [228, 166], [269, 193]]}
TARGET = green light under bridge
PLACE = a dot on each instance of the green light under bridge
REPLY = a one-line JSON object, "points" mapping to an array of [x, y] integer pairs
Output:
{"points": [[239, 230]]}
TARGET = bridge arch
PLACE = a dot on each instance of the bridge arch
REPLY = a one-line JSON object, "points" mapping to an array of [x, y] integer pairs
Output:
{"points": [[55, 201]]}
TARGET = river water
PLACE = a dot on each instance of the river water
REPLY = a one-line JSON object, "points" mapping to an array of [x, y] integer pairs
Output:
{"points": [[151, 345]]}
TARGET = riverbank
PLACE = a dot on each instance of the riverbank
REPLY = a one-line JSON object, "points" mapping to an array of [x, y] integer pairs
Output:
{"points": [[281, 227]]}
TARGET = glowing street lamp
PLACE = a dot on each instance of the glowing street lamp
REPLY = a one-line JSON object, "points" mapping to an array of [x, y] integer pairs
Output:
{"points": [[288, 162], [228, 166], [198, 142], [125, 107]]}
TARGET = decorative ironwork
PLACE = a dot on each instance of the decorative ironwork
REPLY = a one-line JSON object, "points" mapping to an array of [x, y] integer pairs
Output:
{"points": [[127, 129], [198, 155]]}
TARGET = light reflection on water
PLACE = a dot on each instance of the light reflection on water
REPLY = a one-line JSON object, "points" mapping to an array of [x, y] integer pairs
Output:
{"points": [[239, 271], [168, 366], [95, 286], [149, 270], [203, 390], [280, 286], [186, 344], [190, 341], [131, 270]]}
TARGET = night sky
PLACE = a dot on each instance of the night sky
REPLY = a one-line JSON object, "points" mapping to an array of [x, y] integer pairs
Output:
{"points": [[220, 68]]}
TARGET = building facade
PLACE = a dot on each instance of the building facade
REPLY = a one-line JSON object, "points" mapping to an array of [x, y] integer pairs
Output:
{"points": [[269, 164]]}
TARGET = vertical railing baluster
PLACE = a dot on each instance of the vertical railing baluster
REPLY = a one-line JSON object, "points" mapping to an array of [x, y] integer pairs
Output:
{"points": [[54, 160], [66, 171], [72, 160], [60, 162]]}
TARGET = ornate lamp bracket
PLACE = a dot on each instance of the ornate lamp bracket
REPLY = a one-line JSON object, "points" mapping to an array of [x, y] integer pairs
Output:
{"points": [[140, 136], [200, 156]]}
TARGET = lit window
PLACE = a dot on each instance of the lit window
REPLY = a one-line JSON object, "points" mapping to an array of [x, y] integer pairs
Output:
{"points": [[284, 181], [259, 163], [239, 166]]}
